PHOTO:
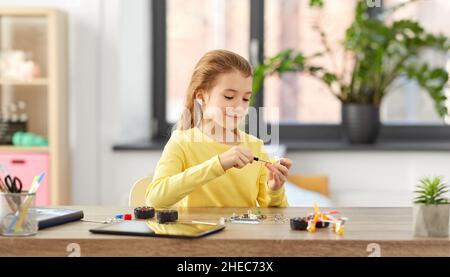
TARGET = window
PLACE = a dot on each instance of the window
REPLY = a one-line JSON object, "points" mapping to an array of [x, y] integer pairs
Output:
{"points": [[193, 28], [184, 30], [288, 24], [407, 103]]}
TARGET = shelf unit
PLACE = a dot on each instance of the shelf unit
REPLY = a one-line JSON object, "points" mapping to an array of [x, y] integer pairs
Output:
{"points": [[23, 149], [41, 33], [33, 82]]}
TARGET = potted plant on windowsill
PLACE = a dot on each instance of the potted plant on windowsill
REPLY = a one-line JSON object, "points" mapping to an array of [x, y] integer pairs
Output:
{"points": [[431, 208], [377, 55]]}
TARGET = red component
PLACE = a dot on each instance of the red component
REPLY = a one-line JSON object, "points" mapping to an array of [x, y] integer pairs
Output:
{"points": [[127, 216]]}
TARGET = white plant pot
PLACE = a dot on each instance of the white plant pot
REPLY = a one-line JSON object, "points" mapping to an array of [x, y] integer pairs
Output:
{"points": [[431, 220]]}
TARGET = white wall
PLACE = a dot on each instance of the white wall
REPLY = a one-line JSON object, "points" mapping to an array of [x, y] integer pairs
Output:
{"points": [[363, 178], [109, 85], [109, 44], [372, 178]]}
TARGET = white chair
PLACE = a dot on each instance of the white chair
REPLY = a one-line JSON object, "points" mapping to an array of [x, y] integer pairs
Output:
{"points": [[137, 193]]}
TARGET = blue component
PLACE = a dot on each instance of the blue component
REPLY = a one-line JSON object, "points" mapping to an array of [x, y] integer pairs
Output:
{"points": [[119, 216]]}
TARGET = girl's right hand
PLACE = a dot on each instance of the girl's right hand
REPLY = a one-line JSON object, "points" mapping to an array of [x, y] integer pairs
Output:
{"points": [[236, 157]]}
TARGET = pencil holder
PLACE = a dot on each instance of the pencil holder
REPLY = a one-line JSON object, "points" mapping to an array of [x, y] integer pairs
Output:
{"points": [[18, 214]]}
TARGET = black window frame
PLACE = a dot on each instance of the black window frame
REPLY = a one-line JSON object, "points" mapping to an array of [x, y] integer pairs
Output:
{"points": [[289, 133]]}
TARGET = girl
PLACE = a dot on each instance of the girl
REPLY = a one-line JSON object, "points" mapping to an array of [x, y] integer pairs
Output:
{"points": [[208, 161]]}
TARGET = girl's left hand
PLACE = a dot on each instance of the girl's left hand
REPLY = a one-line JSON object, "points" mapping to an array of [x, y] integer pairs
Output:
{"points": [[278, 172]]}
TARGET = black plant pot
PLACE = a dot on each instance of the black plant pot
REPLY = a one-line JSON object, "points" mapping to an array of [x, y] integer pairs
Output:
{"points": [[360, 123]]}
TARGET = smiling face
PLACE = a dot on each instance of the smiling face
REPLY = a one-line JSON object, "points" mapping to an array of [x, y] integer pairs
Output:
{"points": [[227, 102]]}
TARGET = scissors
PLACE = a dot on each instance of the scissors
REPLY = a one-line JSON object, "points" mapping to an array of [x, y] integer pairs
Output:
{"points": [[14, 184]]}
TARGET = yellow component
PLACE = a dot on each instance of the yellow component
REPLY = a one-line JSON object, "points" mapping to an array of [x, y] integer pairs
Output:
{"points": [[340, 231], [316, 208], [312, 228], [316, 219]]}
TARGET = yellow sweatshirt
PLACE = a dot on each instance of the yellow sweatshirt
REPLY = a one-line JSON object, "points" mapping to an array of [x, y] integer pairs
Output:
{"points": [[189, 174]]}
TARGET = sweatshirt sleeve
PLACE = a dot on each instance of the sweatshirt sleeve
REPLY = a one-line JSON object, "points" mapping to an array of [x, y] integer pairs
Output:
{"points": [[267, 197], [172, 182]]}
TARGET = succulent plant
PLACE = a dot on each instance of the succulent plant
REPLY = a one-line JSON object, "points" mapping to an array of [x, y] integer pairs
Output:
{"points": [[431, 191]]}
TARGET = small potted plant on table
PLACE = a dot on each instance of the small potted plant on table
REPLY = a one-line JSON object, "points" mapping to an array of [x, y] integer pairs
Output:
{"points": [[431, 208]]}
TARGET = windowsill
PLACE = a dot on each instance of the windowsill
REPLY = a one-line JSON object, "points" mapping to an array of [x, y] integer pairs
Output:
{"points": [[379, 146], [150, 145], [157, 145]]}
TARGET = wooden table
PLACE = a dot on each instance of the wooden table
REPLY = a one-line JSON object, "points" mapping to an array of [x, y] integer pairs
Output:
{"points": [[388, 230]]}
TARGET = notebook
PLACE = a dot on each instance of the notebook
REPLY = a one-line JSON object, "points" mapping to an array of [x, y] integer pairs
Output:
{"points": [[48, 217]]}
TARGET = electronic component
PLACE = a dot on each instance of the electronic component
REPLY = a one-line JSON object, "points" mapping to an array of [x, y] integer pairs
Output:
{"points": [[164, 216], [299, 223], [144, 212]]}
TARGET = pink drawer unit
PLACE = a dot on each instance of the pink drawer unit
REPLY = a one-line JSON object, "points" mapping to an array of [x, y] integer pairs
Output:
{"points": [[27, 165]]}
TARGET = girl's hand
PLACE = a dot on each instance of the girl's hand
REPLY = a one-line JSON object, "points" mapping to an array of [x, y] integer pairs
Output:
{"points": [[236, 157], [278, 173]]}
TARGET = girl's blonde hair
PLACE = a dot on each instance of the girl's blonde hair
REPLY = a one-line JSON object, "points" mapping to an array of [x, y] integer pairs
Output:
{"points": [[206, 71]]}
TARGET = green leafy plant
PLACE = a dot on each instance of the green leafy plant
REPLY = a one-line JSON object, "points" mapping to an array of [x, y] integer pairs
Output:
{"points": [[431, 191], [377, 54]]}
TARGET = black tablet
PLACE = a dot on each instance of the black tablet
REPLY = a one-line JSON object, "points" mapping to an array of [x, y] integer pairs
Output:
{"points": [[151, 228]]}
